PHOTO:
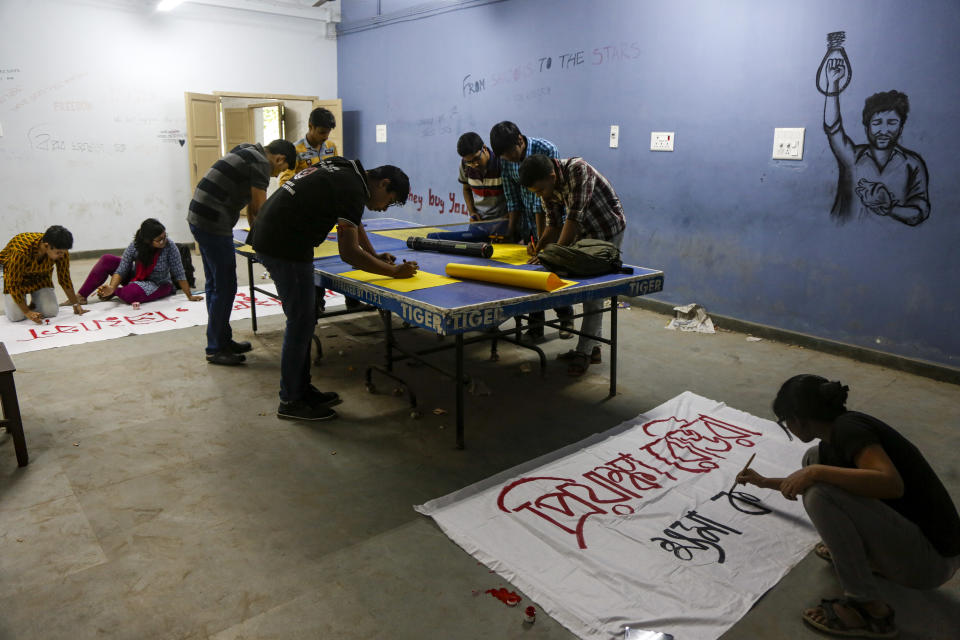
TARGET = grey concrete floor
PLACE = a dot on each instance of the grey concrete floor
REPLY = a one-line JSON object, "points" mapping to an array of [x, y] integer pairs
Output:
{"points": [[164, 499]]}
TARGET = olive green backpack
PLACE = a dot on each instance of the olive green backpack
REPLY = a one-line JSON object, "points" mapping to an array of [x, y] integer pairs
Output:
{"points": [[585, 257]]}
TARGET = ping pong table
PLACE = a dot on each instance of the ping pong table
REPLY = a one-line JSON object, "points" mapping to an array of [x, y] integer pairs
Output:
{"points": [[462, 307]]}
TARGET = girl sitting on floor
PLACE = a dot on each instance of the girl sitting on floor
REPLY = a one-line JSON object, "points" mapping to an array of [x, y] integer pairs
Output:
{"points": [[143, 273], [875, 501]]}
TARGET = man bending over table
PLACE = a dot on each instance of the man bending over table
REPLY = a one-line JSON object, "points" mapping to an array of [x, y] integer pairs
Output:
{"points": [[593, 211], [291, 223]]}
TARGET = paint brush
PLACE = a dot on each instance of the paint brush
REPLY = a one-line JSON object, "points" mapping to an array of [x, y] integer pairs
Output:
{"points": [[745, 467]]}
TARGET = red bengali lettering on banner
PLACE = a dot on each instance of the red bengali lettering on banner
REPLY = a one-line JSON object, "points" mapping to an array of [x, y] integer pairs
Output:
{"points": [[59, 329], [243, 301], [149, 317], [691, 446]]}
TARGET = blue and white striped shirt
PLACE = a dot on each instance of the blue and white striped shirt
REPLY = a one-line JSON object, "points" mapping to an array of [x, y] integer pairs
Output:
{"points": [[523, 200]]}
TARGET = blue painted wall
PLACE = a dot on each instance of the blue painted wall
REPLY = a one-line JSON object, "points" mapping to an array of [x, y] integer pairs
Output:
{"points": [[745, 235]]}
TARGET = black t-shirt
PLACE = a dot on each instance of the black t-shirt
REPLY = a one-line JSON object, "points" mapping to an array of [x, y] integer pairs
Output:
{"points": [[300, 214], [925, 501]]}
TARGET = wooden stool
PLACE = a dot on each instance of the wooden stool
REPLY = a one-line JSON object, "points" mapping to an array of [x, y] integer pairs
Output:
{"points": [[11, 408]]}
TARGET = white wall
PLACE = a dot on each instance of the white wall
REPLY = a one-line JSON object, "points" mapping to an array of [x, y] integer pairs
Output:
{"points": [[91, 105]]}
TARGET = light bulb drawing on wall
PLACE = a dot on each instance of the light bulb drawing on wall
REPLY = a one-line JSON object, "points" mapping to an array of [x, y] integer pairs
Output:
{"points": [[835, 52], [880, 178]]}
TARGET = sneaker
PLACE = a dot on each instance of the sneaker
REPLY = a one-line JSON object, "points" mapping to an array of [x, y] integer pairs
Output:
{"points": [[318, 398], [239, 347], [566, 329], [304, 411], [226, 358]]}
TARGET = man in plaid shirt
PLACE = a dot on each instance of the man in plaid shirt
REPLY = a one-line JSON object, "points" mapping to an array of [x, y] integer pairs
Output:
{"points": [[593, 210], [527, 221]]}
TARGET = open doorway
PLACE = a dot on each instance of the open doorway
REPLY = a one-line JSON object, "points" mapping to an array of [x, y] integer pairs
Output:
{"points": [[220, 121]]}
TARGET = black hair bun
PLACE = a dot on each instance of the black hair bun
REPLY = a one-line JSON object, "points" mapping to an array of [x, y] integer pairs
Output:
{"points": [[834, 392]]}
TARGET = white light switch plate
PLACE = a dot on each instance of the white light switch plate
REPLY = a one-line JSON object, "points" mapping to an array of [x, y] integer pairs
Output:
{"points": [[661, 140], [614, 136], [381, 133], [788, 143]]}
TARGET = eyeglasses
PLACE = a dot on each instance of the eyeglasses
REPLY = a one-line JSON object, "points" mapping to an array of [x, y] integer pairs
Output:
{"points": [[475, 159]]}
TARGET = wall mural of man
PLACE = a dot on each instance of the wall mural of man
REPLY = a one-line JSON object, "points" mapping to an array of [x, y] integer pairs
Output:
{"points": [[881, 177]]}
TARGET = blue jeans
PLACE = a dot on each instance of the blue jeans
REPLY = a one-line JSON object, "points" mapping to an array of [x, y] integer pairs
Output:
{"points": [[297, 293], [220, 272]]}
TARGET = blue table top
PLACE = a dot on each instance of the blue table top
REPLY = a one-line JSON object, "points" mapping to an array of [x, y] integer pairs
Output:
{"points": [[467, 305]]}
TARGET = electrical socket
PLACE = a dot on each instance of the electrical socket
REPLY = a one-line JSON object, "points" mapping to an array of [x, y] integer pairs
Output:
{"points": [[661, 140], [381, 133], [788, 143], [614, 136]]}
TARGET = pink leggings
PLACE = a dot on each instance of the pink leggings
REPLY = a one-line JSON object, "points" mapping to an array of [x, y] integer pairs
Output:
{"points": [[129, 292]]}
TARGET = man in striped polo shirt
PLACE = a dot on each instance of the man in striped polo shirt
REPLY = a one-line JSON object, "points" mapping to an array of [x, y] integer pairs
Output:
{"points": [[237, 180], [482, 184], [482, 191]]}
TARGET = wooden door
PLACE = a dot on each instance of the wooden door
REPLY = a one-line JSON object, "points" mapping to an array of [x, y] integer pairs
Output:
{"points": [[269, 118], [237, 127], [203, 133]]}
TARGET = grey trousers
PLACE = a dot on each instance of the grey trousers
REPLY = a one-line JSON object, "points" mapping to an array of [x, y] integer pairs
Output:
{"points": [[592, 323], [865, 535], [44, 301]]}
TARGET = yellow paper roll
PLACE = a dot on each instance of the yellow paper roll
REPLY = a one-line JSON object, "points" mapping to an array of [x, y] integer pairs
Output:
{"points": [[540, 280]]}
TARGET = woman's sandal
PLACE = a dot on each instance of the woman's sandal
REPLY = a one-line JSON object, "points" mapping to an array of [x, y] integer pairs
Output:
{"points": [[873, 626]]}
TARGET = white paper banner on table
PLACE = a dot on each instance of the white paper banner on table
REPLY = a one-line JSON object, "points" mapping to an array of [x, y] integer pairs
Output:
{"points": [[115, 319], [635, 527]]}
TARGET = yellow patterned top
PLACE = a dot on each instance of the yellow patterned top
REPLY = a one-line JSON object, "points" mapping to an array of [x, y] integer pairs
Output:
{"points": [[24, 272]]}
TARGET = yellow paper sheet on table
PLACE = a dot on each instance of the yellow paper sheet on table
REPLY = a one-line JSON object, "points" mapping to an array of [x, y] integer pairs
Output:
{"points": [[245, 249], [510, 253], [422, 280], [403, 234], [326, 249]]}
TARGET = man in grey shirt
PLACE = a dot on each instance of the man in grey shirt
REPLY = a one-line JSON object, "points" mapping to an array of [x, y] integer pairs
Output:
{"points": [[237, 180]]}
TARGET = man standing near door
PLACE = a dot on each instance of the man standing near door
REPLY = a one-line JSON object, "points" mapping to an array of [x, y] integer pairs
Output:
{"points": [[316, 145], [237, 180]]}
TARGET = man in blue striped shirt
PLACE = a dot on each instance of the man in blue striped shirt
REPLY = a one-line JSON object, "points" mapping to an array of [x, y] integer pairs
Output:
{"points": [[527, 221], [237, 180]]}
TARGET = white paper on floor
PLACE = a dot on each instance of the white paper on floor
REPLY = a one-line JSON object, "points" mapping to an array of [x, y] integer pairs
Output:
{"points": [[691, 317], [115, 319], [636, 527]]}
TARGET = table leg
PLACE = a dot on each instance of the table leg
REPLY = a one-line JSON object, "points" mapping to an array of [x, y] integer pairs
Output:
{"points": [[613, 346], [253, 300], [387, 318], [459, 382], [12, 420]]}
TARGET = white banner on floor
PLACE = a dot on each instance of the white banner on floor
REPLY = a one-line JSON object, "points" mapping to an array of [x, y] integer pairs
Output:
{"points": [[115, 319], [637, 527]]}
